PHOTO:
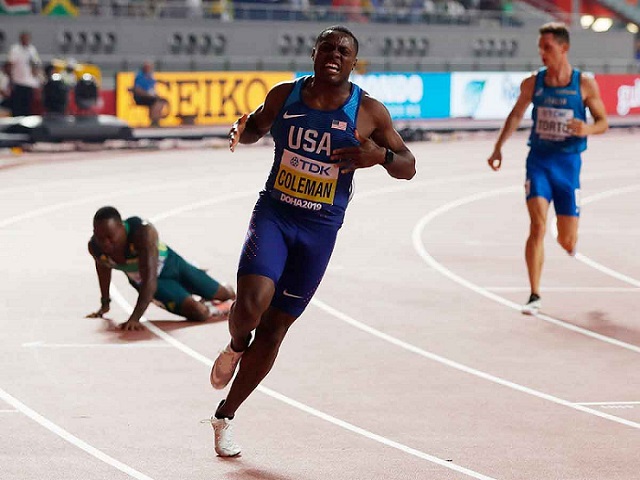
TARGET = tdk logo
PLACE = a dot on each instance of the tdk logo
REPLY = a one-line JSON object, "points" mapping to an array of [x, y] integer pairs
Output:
{"points": [[310, 167]]}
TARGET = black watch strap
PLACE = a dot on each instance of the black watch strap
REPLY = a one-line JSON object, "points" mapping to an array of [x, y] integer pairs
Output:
{"points": [[389, 157]]}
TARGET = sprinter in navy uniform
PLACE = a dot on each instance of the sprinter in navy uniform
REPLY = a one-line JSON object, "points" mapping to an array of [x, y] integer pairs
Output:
{"points": [[324, 128], [559, 94]]}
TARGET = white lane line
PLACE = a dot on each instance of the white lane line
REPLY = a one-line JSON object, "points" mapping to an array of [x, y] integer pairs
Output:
{"points": [[432, 262], [566, 289], [592, 263], [606, 270], [412, 348], [607, 403], [51, 208], [463, 368], [120, 300], [85, 200], [95, 345], [72, 439]]}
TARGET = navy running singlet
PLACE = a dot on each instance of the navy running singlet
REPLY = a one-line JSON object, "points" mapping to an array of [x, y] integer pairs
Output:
{"points": [[303, 174], [552, 108]]}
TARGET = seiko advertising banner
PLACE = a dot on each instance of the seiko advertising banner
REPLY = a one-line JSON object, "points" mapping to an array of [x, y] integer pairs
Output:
{"points": [[198, 98], [485, 95]]}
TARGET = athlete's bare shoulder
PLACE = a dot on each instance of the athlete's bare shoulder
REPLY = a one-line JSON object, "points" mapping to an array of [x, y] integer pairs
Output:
{"points": [[266, 113], [280, 92], [373, 115], [529, 82], [588, 82], [371, 104]]}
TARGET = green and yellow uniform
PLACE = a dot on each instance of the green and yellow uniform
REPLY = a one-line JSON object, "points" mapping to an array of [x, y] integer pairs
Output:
{"points": [[177, 278]]}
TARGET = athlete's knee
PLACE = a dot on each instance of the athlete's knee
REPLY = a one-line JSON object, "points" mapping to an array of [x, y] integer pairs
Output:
{"points": [[537, 230], [568, 242], [248, 309]]}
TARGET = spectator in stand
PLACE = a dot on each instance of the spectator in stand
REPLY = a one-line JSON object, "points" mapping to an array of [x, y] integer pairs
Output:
{"points": [[5, 90], [351, 9], [69, 73], [25, 73], [144, 93]]}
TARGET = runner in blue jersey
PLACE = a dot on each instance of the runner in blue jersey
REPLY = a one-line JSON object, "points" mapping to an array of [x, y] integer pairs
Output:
{"points": [[324, 127], [560, 95], [153, 268]]}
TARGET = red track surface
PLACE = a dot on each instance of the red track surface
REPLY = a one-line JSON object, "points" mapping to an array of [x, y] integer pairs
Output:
{"points": [[412, 363]]}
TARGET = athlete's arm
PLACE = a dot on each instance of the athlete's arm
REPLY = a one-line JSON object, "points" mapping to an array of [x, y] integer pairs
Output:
{"points": [[591, 95], [376, 135], [251, 128], [513, 120], [146, 243], [104, 280]]}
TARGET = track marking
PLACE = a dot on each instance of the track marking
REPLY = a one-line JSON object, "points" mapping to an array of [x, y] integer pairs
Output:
{"points": [[60, 206], [606, 270], [592, 263], [432, 262], [94, 198], [95, 345], [120, 300], [463, 368], [608, 403], [567, 289], [72, 439]]}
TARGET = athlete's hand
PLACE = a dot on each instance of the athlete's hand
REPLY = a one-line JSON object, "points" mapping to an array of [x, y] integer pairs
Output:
{"points": [[578, 128], [131, 325], [98, 313], [495, 160], [365, 155], [236, 131]]}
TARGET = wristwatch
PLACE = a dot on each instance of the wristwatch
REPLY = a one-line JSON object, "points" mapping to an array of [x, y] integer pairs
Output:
{"points": [[389, 157]]}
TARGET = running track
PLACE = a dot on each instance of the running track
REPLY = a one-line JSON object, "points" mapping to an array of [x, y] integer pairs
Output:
{"points": [[413, 361]]}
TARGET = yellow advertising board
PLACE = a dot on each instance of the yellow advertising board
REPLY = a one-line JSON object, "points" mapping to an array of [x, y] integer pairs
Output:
{"points": [[198, 98]]}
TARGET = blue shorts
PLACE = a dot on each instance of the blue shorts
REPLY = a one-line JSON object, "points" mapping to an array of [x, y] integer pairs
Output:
{"points": [[556, 177], [291, 249]]}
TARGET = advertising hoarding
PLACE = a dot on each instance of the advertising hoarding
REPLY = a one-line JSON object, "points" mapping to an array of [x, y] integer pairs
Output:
{"points": [[198, 98], [485, 95], [620, 94]]}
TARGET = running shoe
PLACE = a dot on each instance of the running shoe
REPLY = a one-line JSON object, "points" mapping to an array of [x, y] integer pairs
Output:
{"points": [[224, 367], [214, 311], [533, 305], [223, 437]]}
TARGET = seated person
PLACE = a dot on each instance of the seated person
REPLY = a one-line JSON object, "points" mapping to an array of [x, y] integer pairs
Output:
{"points": [[156, 271], [5, 90], [144, 93]]}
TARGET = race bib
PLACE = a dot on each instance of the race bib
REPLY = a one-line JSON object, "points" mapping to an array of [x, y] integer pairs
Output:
{"points": [[551, 123], [306, 182]]}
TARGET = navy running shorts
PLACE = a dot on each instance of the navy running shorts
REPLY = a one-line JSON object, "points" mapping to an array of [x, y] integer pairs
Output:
{"points": [[290, 247]]}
